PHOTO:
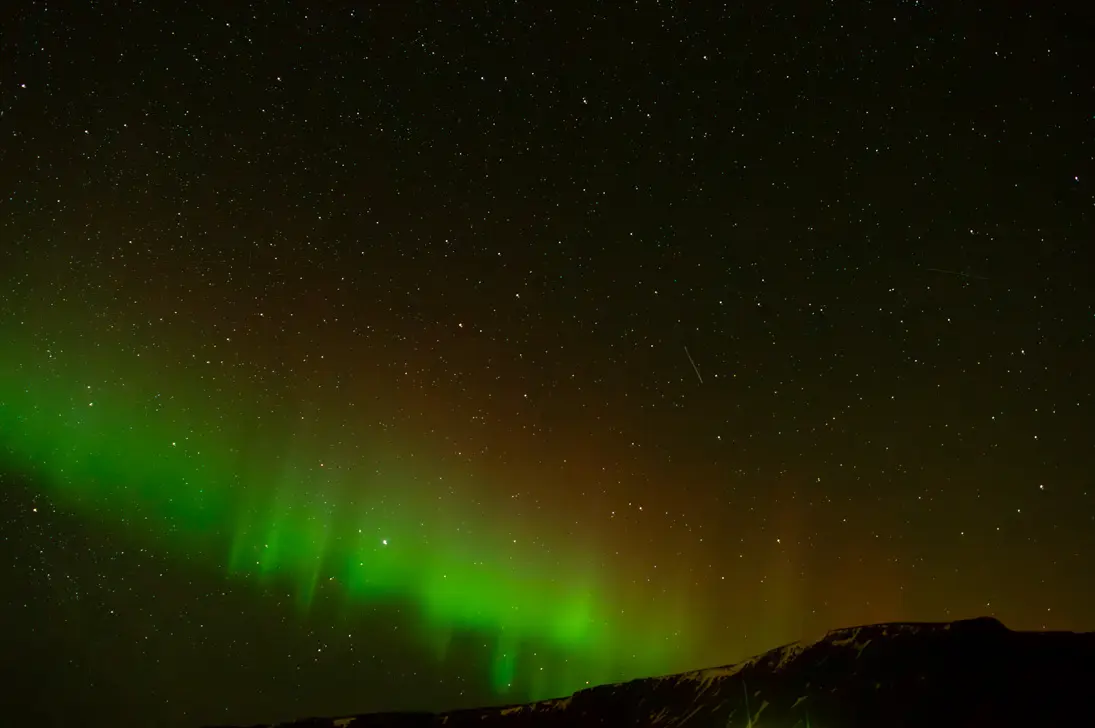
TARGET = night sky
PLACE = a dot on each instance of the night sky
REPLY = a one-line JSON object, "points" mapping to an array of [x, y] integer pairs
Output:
{"points": [[420, 356]]}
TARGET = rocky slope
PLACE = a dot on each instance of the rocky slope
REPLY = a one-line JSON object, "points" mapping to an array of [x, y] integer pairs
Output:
{"points": [[970, 673]]}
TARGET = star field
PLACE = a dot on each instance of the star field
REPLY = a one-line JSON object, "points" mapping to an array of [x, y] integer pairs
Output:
{"points": [[441, 355]]}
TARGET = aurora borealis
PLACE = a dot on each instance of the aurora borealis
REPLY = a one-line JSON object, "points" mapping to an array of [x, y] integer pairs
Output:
{"points": [[436, 356], [300, 508]]}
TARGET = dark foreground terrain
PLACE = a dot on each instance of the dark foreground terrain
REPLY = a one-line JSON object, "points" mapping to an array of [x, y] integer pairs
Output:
{"points": [[970, 673]]}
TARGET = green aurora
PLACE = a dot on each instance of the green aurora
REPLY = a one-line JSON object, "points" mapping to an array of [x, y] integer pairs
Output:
{"points": [[221, 474]]}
